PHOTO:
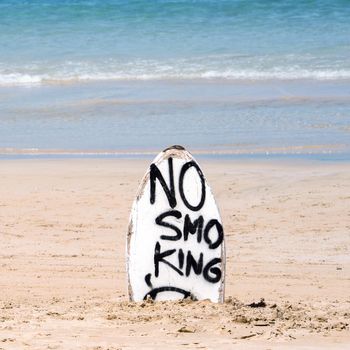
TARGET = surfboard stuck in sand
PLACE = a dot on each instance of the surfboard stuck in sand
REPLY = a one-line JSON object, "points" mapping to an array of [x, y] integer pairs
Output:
{"points": [[175, 241]]}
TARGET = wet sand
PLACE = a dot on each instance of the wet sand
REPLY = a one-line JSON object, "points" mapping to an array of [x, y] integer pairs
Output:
{"points": [[62, 261]]}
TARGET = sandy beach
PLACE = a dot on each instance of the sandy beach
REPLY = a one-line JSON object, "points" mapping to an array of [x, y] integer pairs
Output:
{"points": [[63, 283]]}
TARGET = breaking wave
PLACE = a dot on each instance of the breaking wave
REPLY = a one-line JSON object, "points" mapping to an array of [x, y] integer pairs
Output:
{"points": [[153, 71]]}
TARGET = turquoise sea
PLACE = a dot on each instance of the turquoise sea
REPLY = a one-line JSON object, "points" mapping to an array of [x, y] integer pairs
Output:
{"points": [[230, 76]]}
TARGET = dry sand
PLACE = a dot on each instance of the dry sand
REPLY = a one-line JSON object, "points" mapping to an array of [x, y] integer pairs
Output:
{"points": [[62, 269]]}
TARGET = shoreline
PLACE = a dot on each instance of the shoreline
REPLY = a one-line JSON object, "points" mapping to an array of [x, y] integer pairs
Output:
{"points": [[326, 157], [320, 152], [119, 117]]}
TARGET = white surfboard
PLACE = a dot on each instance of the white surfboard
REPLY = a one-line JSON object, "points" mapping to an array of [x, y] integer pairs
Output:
{"points": [[175, 242]]}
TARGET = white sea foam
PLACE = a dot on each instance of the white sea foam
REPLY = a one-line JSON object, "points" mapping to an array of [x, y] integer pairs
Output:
{"points": [[21, 79], [154, 70]]}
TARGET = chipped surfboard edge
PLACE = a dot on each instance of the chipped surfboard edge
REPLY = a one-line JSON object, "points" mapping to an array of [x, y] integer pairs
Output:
{"points": [[178, 152]]}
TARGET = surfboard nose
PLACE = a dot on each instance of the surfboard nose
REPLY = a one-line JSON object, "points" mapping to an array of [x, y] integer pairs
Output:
{"points": [[177, 147]]}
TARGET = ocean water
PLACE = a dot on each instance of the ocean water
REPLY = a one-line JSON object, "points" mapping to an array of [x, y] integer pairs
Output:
{"points": [[47, 40], [246, 76]]}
